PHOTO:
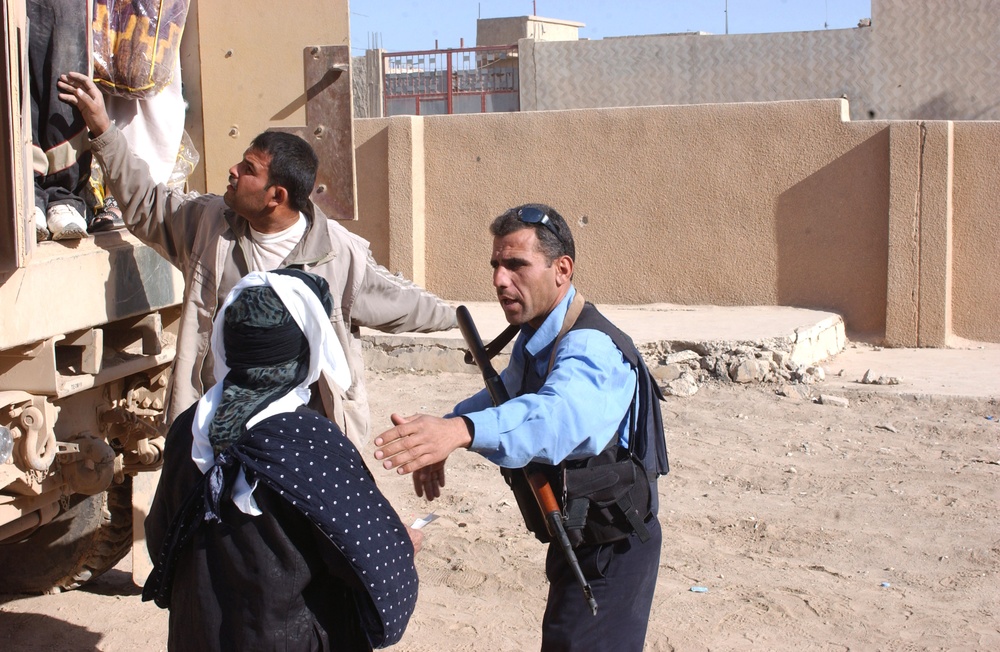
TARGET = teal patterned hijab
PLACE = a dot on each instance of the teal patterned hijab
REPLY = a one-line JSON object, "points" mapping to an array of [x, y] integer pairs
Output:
{"points": [[267, 355]]}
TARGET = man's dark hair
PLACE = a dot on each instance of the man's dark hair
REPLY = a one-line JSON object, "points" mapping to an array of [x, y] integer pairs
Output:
{"points": [[293, 165], [554, 236]]}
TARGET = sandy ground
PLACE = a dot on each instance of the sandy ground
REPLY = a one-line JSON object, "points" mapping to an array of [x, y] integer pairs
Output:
{"points": [[812, 527]]}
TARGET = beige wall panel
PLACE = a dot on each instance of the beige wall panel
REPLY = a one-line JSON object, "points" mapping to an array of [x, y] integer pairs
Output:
{"points": [[250, 55], [934, 324], [728, 204], [906, 144], [371, 159], [406, 197], [781, 203], [893, 225], [976, 232], [190, 55]]}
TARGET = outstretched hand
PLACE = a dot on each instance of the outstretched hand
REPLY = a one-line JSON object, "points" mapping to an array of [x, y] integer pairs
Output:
{"points": [[80, 90], [420, 444]]}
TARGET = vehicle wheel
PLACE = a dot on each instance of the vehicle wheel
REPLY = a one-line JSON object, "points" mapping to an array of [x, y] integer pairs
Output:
{"points": [[76, 546]]}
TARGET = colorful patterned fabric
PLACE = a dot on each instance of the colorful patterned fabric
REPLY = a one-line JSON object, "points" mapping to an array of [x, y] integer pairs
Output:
{"points": [[136, 43]]}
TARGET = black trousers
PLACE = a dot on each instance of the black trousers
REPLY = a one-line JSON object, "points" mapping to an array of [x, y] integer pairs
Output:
{"points": [[622, 576], [57, 44]]}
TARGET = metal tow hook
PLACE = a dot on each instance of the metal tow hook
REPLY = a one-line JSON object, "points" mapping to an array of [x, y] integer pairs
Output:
{"points": [[38, 457]]}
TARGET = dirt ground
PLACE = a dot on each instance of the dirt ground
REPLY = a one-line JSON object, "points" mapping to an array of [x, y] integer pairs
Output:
{"points": [[812, 527]]}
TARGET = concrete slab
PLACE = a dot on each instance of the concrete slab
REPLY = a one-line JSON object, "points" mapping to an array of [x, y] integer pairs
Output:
{"points": [[807, 336], [972, 372]]}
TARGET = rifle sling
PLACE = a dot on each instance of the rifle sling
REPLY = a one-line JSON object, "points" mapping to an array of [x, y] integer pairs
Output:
{"points": [[497, 345]]}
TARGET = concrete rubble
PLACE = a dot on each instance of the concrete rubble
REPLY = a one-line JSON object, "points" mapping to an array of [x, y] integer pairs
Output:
{"points": [[871, 379], [836, 401], [800, 353], [679, 372], [684, 346]]}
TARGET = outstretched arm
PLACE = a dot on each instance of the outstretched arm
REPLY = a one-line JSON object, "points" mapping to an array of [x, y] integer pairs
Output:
{"points": [[420, 445], [166, 221], [80, 90], [392, 304]]}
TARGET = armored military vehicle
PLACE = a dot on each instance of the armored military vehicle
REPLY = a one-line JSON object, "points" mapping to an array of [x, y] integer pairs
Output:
{"points": [[88, 326]]}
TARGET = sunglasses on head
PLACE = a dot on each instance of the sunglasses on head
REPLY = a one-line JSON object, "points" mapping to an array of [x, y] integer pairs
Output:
{"points": [[530, 215]]}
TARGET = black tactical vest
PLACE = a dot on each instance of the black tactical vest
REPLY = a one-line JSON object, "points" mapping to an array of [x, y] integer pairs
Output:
{"points": [[606, 497]]}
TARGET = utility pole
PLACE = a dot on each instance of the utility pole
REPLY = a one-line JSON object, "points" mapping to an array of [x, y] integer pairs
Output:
{"points": [[727, 16]]}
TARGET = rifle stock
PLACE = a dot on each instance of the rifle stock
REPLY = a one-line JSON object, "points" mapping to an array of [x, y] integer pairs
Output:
{"points": [[540, 486]]}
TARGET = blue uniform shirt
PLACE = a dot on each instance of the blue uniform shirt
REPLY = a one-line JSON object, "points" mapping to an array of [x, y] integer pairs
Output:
{"points": [[585, 399]]}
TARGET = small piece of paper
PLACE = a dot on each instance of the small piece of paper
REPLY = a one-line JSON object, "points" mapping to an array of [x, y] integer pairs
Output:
{"points": [[420, 522]]}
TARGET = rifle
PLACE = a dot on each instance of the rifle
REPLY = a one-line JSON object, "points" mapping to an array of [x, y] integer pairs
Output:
{"points": [[540, 485]]}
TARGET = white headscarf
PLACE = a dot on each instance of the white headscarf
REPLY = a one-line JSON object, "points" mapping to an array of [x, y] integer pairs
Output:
{"points": [[325, 355]]}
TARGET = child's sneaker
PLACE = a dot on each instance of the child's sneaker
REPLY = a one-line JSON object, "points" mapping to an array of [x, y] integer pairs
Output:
{"points": [[66, 223], [41, 231]]}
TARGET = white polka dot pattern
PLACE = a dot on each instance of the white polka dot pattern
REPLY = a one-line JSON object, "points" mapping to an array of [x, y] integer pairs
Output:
{"points": [[342, 500], [346, 505]]}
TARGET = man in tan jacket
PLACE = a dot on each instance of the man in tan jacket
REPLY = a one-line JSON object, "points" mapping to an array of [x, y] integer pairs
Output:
{"points": [[264, 221]]}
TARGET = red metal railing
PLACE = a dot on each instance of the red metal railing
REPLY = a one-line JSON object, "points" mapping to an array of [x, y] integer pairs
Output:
{"points": [[462, 80]]}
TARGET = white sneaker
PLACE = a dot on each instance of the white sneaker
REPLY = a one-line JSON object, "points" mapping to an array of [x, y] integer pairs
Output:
{"points": [[66, 223], [41, 231]]}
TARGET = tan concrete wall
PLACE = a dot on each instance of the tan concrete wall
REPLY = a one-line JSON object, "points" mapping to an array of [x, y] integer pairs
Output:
{"points": [[371, 159], [934, 319], [780, 203], [894, 225], [903, 281], [976, 232], [944, 225]]}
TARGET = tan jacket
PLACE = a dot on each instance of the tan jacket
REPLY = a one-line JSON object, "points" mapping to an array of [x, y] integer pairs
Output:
{"points": [[210, 245]]}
